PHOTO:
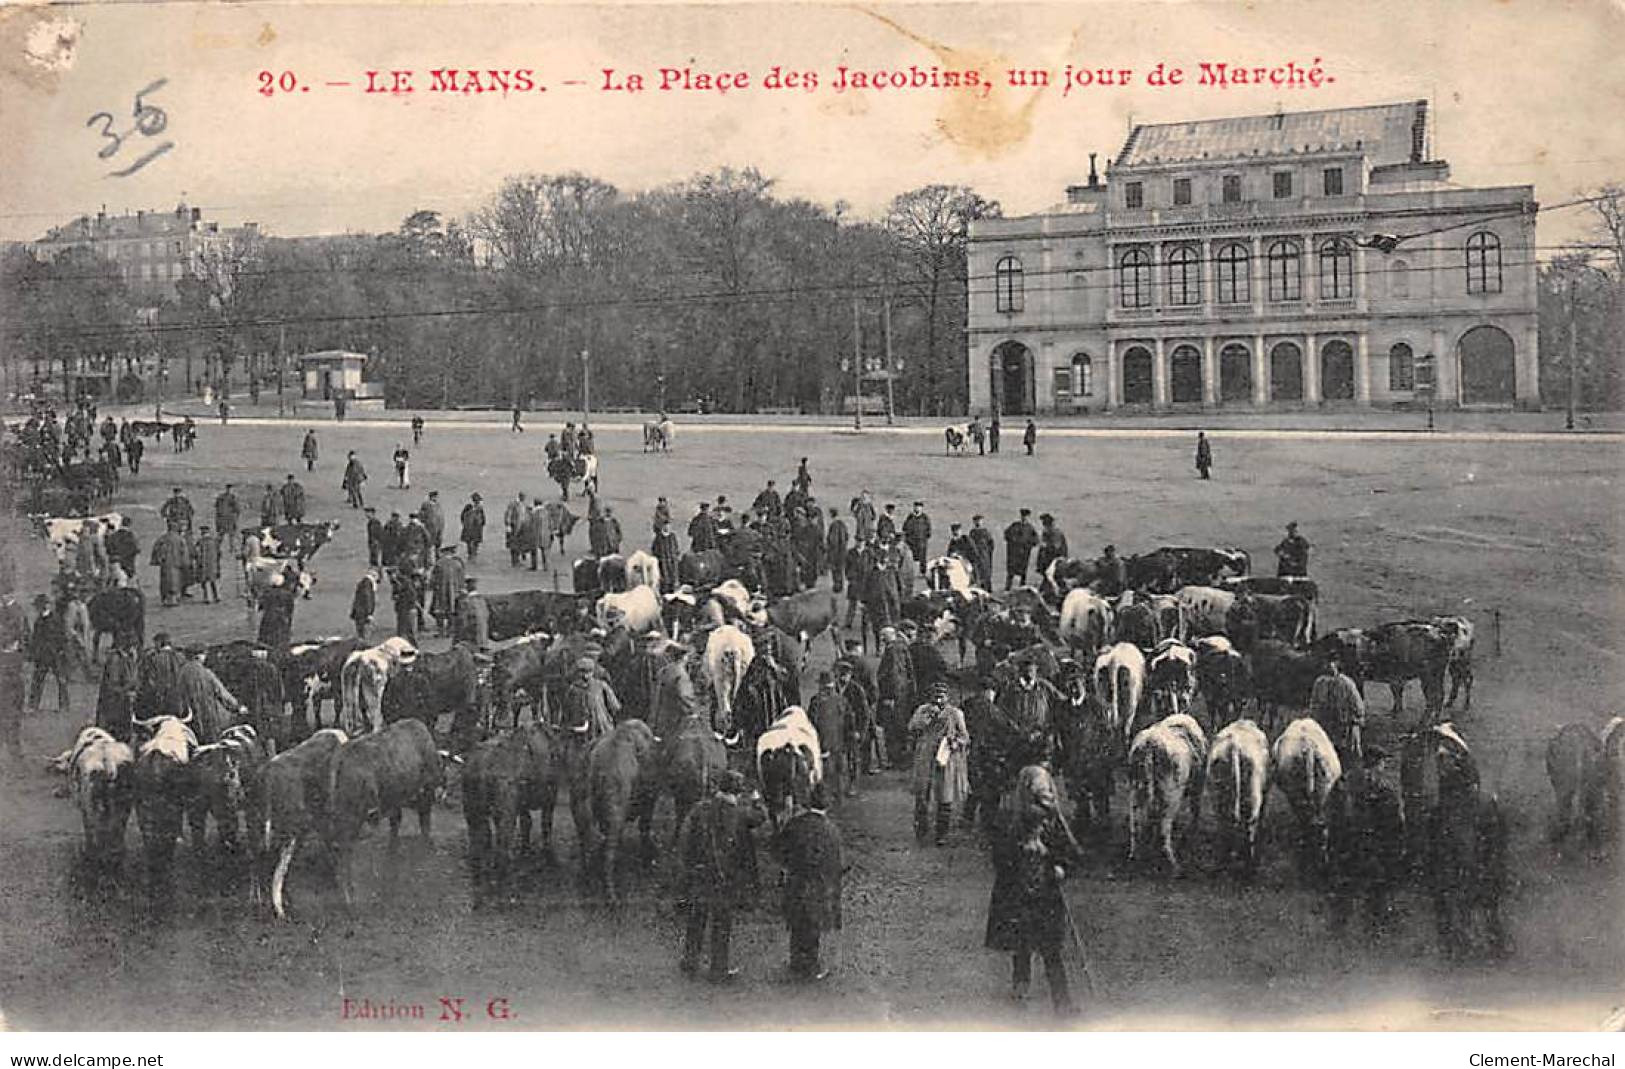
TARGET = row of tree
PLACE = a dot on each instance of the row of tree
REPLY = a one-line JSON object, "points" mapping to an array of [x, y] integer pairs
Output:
{"points": [[712, 291]]}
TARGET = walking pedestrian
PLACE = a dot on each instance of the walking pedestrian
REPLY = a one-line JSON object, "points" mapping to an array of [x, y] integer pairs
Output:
{"points": [[403, 461], [993, 430], [1020, 539], [354, 476], [308, 450], [206, 564], [516, 427], [1204, 454], [417, 430], [1029, 437], [473, 524], [917, 534], [293, 500], [940, 771], [227, 514]]}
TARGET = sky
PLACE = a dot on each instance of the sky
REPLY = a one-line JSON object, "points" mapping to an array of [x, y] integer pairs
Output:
{"points": [[1522, 92]]}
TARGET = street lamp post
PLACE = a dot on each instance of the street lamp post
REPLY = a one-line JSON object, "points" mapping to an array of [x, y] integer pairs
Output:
{"points": [[586, 387], [1574, 352], [857, 369]]}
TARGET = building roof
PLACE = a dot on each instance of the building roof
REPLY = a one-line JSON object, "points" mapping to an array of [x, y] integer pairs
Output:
{"points": [[1385, 133], [332, 356]]}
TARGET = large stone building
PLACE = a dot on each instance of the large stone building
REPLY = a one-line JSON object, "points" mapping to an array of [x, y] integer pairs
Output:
{"points": [[153, 250], [1250, 262]]}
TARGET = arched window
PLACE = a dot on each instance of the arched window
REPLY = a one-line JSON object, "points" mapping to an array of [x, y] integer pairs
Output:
{"points": [[1134, 278], [1083, 375], [1184, 276], [1483, 263], [1234, 274], [1336, 270], [1285, 263], [1008, 288], [1401, 369], [1399, 279]]}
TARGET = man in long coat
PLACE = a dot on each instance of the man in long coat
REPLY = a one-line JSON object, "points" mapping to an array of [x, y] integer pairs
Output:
{"points": [[434, 518], [227, 514], [810, 848], [1020, 539], [276, 613], [917, 534], [48, 653], [1051, 543], [835, 545], [403, 590], [293, 500], [858, 565], [446, 586], [863, 517], [416, 546], [1335, 704], [115, 697], [829, 715], [702, 530], [981, 540], [160, 693], [364, 604], [206, 564], [176, 511], [206, 700], [171, 556], [514, 515], [354, 476], [896, 695], [669, 552], [473, 526], [675, 698], [270, 507], [1027, 912], [538, 533], [941, 772], [718, 857], [308, 450], [473, 616]]}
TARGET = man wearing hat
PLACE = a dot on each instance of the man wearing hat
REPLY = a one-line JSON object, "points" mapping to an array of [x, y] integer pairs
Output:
{"points": [[886, 526], [590, 700], [276, 609], [768, 503], [270, 506], [917, 534], [206, 700], [702, 530], [941, 753], [1113, 573], [375, 537], [1365, 833], [668, 552], [48, 652], [445, 587], [1335, 704], [981, 540], [896, 694], [810, 847], [159, 692], [293, 500], [1020, 539], [829, 715], [1292, 553], [434, 519], [858, 732], [123, 549], [718, 857], [403, 592], [514, 517], [473, 616], [960, 546], [835, 548], [473, 523], [176, 511], [1051, 543], [364, 605], [227, 513], [115, 696], [172, 557], [863, 517], [354, 476], [206, 564]]}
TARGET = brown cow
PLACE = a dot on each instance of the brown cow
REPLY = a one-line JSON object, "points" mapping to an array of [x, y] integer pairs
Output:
{"points": [[621, 782], [294, 788], [378, 775], [1575, 765]]}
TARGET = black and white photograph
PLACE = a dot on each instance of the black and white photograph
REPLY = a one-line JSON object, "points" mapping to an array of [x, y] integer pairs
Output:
{"points": [[909, 517]]}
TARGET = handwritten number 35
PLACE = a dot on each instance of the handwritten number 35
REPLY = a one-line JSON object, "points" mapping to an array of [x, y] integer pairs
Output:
{"points": [[107, 132]]}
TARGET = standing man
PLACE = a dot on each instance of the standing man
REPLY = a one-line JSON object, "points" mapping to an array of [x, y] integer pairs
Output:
{"points": [[364, 605], [434, 520], [354, 476], [403, 460], [863, 517], [917, 534], [227, 514], [1027, 913], [392, 541], [829, 715], [375, 538], [205, 700], [293, 500], [417, 431], [177, 512], [886, 525], [977, 435], [513, 522], [1020, 539], [473, 523], [859, 563], [940, 770], [270, 507], [612, 530], [308, 450], [446, 586], [537, 534], [276, 611], [1292, 553], [767, 503], [669, 552], [993, 430], [403, 591], [718, 856], [1335, 704], [1051, 543], [803, 479], [981, 540], [835, 543], [810, 848], [134, 452], [702, 530], [473, 616], [123, 549], [516, 427], [115, 697], [1204, 454], [48, 652], [1029, 437], [206, 564], [960, 546], [171, 556]]}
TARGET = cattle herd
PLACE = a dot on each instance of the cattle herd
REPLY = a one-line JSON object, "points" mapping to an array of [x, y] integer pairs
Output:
{"points": [[1177, 674]]}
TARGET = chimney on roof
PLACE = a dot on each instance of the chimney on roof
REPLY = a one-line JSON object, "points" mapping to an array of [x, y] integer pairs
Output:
{"points": [[180, 210], [197, 213], [1094, 175], [1419, 132], [140, 216]]}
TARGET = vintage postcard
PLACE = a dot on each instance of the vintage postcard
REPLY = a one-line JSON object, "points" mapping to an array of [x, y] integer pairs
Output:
{"points": [[895, 516]]}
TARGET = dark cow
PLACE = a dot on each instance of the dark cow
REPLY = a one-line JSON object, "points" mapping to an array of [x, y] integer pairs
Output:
{"points": [[1137, 623], [1066, 574], [612, 577], [1223, 677], [436, 685], [769, 686], [1352, 649], [1407, 650], [518, 667], [622, 781], [1365, 825], [503, 780], [295, 787], [313, 674], [704, 568], [163, 790], [584, 578], [560, 521], [1579, 775], [120, 612], [1283, 616], [1463, 833], [1166, 569], [689, 762], [1297, 585], [523, 612], [296, 541], [1000, 633], [226, 787], [377, 775], [806, 616], [1283, 678]]}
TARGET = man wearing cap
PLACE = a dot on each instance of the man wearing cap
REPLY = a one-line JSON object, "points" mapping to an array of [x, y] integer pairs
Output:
{"points": [[206, 700], [514, 515], [227, 514], [960, 546], [415, 545], [1292, 553], [391, 540], [270, 506], [917, 534], [1020, 539], [171, 556], [886, 525], [718, 857], [702, 530], [354, 476], [115, 696], [1335, 704], [308, 450], [1113, 573], [768, 503], [445, 587], [590, 700], [403, 463], [810, 847], [159, 692], [48, 652], [364, 605], [668, 552], [473, 616], [293, 500], [896, 693], [662, 513], [836, 544], [858, 732], [1051, 543], [434, 519], [981, 540], [829, 715], [473, 524], [941, 775], [206, 564], [123, 549], [403, 592], [176, 511]]}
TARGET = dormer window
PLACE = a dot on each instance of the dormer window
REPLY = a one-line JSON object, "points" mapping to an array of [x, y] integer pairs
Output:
{"points": [[1134, 195], [1232, 189], [1182, 191], [1283, 185], [1332, 181]]}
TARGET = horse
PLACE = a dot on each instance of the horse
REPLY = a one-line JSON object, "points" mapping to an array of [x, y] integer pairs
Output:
{"points": [[955, 440]]}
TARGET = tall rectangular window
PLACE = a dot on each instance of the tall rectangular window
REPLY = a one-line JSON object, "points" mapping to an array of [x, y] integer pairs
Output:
{"points": [[1283, 184], [1332, 181], [1134, 195], [1232, 189], [1182, 191]]}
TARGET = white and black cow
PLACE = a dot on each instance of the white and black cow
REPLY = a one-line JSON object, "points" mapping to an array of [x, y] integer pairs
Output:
{"points": [[1166, 765]]}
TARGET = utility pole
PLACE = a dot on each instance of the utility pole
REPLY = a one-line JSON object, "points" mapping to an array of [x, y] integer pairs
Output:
{"points": [[857, 369], [586, 388], [1574, 351], [281, 368], [890, 371]]}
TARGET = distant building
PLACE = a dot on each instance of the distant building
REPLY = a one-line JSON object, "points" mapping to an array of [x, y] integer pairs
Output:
{"points": [[153, 250], [1236, 263], [334, 373]]}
